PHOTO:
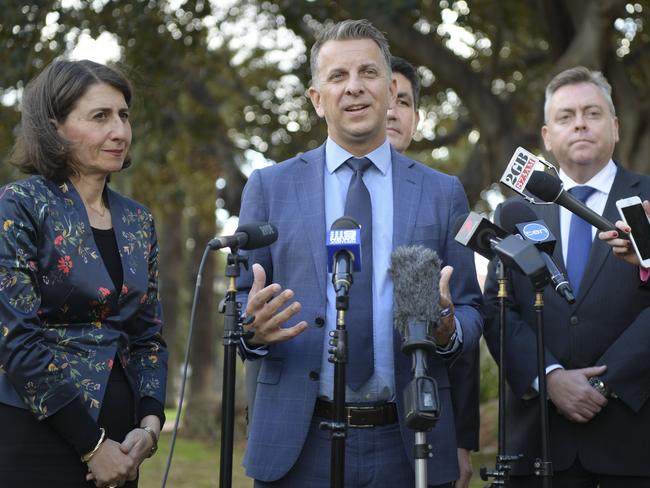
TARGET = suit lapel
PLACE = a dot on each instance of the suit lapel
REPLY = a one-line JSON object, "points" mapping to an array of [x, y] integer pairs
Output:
{"points": [[92, 267], [131, 228], [406, 195], [623, 186], [309, 184], [407, 188]]}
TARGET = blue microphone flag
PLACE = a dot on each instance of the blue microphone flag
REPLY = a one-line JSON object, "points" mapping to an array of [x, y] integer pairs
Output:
{"points": [[344, 239]]}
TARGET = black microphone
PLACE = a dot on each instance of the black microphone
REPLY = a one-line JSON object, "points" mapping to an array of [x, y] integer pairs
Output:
{"points": [[517, 217], [550, 189], [415, 271], [487, 239], [247, 236], [478, 233]]}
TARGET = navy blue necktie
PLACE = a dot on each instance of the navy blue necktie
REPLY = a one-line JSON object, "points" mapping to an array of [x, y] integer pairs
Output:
{"points": [[580, 240], [358, 318]]}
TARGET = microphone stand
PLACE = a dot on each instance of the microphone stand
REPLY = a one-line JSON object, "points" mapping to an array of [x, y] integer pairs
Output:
{"points": [[339, 356], [233, 332], [501, 471], [421, 401], [543, 467]]}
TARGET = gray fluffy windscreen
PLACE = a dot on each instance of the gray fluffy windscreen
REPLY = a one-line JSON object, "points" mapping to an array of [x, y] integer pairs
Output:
{"points": [[415, 271]]}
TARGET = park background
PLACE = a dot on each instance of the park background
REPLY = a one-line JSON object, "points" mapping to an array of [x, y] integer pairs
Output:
{"points": [[220, 90]]}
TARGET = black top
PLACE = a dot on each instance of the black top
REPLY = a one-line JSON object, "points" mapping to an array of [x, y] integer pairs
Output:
{"points": [[107, 245]]}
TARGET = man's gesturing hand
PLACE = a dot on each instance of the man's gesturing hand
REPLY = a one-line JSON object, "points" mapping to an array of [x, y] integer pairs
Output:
{"points": [[266, 304]]}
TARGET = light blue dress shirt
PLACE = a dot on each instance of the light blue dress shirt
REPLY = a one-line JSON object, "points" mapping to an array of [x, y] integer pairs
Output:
{"points": [[379, 181]]}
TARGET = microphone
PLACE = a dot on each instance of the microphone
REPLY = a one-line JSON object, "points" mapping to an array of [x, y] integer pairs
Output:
{"points": [[519, 170], [478, 233], [525, 174], [550, 189], [517, 217], [247, 236], [489, 240], [415, 271], [344, 253]]}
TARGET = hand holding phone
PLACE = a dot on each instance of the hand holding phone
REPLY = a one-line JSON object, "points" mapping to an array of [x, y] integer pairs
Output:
{"points": [[633, 213]]}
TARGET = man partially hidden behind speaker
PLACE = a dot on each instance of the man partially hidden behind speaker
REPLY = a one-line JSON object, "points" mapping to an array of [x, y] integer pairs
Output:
{"points": [[403, 119], [355, 172], [597, 367]]}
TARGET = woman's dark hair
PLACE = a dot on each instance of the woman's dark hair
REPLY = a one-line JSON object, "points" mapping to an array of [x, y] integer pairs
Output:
{"points": [[51, 96]]}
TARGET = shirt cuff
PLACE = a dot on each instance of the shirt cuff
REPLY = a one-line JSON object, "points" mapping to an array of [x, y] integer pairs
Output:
{"points": [[550, 368], [259, 351]]}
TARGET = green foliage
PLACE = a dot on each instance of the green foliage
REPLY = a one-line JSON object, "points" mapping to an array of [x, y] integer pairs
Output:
{"points": [[485, 64], [489, 375], [216, 79]]}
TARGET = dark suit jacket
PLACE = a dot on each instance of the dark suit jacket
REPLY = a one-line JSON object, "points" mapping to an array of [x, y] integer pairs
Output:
{"points": [[61, 319], [291, 196], [609, 324]]}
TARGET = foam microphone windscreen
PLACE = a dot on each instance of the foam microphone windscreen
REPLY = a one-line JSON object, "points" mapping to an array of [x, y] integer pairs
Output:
{"points": [[415, 271]]}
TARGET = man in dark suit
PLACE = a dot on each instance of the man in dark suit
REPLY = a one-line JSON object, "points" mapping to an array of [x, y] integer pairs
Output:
{"points": [[403, 119], [410, 204], [597, 369]]}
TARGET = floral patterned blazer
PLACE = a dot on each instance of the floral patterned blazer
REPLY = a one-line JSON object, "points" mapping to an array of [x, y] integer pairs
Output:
{"points": [[62, 322]]}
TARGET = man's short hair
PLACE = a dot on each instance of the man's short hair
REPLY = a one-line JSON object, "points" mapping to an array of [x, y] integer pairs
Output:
{"points": [[572, 76], [345, 31], [402, 66]]}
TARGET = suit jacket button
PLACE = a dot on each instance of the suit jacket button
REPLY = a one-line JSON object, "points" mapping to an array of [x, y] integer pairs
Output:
{"points": [[313, 375], [574, 320], [320, 321]]}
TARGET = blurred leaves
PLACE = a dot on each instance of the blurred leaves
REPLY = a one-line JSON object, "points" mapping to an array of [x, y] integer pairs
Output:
{"points": [[220, 87]]}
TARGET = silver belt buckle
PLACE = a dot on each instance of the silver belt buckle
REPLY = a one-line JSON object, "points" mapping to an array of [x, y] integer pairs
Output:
{"points": [[360, 426]]}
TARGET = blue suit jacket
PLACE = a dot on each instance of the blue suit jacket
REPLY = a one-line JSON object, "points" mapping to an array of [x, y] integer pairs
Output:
{"points": [[291, 196], [62, 322]]}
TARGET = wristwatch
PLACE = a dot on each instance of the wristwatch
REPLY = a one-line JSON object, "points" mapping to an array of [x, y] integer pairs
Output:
{"points": [[599, 385]]}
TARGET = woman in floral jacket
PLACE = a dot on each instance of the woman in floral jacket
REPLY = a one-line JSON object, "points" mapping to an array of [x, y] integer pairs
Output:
{"points": [[82, 361]]}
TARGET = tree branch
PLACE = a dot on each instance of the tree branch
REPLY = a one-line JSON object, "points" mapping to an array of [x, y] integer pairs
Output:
{"points": [[591, 44]]}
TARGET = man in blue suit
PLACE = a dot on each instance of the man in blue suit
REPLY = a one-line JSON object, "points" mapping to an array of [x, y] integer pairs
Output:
{"points": [[411, 204]]}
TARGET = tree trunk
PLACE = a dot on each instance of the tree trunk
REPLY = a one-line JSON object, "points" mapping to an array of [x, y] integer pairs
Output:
{"points": [[172, 280], [203, 402]]}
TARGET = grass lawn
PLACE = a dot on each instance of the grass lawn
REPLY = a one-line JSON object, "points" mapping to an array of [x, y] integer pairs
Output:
{"points": [[196, 465]]}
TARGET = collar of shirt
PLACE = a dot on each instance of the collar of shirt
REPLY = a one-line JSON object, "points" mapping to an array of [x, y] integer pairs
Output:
{"points": [[335, 156], [602, 182]]}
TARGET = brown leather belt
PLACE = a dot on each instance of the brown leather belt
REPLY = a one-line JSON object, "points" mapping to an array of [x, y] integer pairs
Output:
{"points": [[359, 415]]}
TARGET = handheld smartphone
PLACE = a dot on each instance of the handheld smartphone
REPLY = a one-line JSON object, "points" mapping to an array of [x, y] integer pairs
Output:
{"points": [[633, 214]]}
